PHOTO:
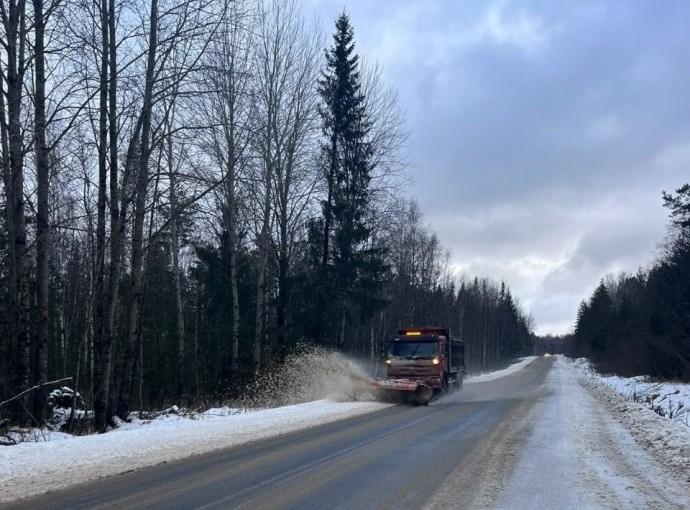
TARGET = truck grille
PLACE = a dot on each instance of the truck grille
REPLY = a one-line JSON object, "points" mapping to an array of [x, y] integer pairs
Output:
{"points": [[412, 371]]}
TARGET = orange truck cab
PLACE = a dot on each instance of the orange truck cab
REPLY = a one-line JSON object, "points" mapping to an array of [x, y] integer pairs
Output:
{"points": [[426, 356]]}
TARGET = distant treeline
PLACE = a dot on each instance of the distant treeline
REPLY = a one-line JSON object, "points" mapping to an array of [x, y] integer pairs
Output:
{"points": [[640, 324]]}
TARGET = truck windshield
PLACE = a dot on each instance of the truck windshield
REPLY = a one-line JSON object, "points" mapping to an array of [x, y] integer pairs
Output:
{"points": [[413, 349]]}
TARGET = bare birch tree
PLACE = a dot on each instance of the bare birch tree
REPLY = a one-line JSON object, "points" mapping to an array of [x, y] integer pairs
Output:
{"points": [[42, 217], [285, 123], [12, 74], [172, 57], [296, 174], [226, 108]]}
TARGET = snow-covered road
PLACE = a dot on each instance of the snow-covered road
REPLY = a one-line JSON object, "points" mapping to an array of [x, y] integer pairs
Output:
{"points": [[580, 446]]}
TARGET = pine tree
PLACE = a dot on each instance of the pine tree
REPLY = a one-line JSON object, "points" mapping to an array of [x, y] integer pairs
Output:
{"points": [[345, 151], [600, 313], [347, 260], [679, 206]]}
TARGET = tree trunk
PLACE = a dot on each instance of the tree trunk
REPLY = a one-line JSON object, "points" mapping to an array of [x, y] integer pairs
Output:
{"points": [[232, 254], [283, 266], [135, 298], [177, 287], [230, 218], [9, 219], [101, 354], [15, 32], [117, 212], [260, 292], [340, 337], [42, 217], [264, 242], [197, 379], [327, 213], [264, 236]]}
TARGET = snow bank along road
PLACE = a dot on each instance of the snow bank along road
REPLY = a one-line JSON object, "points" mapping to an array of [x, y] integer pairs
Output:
{"points": [[536, 438]]}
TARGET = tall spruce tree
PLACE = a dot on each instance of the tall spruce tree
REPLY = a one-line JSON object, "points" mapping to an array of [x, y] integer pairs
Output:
{"points": [[347, 262]]}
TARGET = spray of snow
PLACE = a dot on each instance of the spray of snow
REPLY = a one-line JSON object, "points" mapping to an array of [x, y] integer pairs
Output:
{"points": [[310, 373]]}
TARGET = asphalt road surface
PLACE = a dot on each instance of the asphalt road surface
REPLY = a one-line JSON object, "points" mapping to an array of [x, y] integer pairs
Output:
{"points": [[453, 453]]}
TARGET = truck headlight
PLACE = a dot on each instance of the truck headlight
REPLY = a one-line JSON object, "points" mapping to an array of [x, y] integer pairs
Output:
{"points": [[436, 361], [388, 362]]}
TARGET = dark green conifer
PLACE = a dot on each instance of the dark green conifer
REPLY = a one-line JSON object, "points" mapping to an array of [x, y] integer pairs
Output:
{"points": [[348, 262]]}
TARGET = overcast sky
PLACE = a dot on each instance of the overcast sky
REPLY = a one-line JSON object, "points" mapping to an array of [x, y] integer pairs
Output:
{"points": [[542, 132]]}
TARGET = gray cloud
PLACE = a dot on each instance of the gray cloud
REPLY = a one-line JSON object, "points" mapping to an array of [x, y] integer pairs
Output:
{"points": [[542, 132]]}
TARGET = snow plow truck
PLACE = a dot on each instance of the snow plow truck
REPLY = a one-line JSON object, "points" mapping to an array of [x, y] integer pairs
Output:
{"points": [[421, 364]]}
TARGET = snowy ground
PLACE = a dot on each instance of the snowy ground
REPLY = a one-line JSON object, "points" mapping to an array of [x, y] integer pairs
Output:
{"points": [[36, 467], [671, 400], [642, 409], [589, 448], [585, 420]]}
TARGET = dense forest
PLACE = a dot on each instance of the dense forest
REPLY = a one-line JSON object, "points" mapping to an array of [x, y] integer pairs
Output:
{"points": [[640, 324], [190, 188]]}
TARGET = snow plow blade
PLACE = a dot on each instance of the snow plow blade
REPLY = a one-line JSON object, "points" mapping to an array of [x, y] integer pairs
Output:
{"points": [[410, 390]]}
